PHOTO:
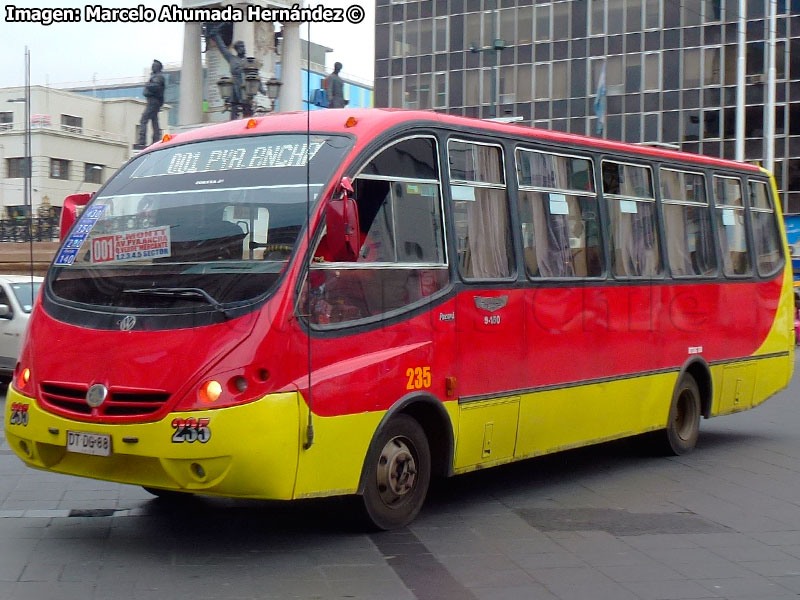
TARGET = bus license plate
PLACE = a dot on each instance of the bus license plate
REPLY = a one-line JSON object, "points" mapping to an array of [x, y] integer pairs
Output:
{"points": [[83, 442]]}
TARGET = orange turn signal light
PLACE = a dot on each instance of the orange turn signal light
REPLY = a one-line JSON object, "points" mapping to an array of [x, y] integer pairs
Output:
{"points": [[251, 123], [167, 137], [24, 377], [210, 391], [351, 122]]}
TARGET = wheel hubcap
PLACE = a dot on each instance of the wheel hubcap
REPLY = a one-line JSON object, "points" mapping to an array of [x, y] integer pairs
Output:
{"points": [[397, 471]]}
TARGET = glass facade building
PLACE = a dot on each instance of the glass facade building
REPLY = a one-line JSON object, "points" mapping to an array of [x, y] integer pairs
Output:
{"points": [[670, 69]]}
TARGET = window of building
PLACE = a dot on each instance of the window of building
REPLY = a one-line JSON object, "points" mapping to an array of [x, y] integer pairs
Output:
{"points": [[616, 16], [93, 173], [711, 66], [652, 71], [763, 222], [542, 87], [652, 12], [480, 210], [687, 224], [652, 127], [488, 76], [524, 84], [780, 59], [628, 190], [508, 25], [396, 92], [473, 88], [597, 17], [755, 58], [633, 73], [440, 89], [633, 16], [425, 36], [691, 68], [559, 215], [401, 261], [729, 208], [711, 127], [561, 30], [410, 97], [560, 88], [691, 13], [543, 20], [397, 40], [472, 30], [712, 10], [440, 34], [59, 168], [6, 120], [524, 24], [16, 167], [71, 124]]}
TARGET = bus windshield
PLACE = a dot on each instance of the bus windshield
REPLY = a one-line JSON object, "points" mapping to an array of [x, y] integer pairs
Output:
{"points": [[209, 223]]}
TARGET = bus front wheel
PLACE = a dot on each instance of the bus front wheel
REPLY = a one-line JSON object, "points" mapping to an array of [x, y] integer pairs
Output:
{"points": [[683, 426], [398, 474]]}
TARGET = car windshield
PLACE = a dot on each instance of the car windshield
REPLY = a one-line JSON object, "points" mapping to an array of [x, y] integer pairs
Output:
{"points": [[208, 223], [26, 294]]}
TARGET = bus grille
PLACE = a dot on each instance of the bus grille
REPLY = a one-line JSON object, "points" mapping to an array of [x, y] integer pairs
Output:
{"points": [[71, 400]]}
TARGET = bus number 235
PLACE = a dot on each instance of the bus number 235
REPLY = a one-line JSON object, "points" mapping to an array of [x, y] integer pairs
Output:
{"points": [[418, 378]]}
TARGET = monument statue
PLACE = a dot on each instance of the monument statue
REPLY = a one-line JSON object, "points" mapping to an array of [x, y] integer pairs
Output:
{"points": [[237, 62], [334, 86], [154, 92]]}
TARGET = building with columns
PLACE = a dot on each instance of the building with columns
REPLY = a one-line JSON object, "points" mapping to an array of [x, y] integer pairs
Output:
{"points": [[77, 142], [259, 39]]}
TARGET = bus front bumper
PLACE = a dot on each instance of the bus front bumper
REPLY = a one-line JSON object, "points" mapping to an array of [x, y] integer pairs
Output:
{"points": [[247, 451]]}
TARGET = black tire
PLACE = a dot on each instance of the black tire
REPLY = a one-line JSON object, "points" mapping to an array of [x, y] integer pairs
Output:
{"points": [[397, 474], [683, 425]]}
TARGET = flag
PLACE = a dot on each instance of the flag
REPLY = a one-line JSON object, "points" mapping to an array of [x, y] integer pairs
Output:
{"points": [[600, 100]]}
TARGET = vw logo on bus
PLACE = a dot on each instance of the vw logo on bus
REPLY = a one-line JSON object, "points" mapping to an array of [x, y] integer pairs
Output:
{"points": [[128, 323], [96, 395]]}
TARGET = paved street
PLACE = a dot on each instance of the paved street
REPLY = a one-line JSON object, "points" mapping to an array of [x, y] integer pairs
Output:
{"points": [[607, 522]]}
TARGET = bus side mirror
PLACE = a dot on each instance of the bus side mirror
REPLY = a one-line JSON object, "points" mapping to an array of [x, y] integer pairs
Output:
{"points": [[69, 213], [341, 219]]}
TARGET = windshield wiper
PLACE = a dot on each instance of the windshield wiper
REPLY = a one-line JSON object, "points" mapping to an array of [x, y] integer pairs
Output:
{"points": [[179, 292]]}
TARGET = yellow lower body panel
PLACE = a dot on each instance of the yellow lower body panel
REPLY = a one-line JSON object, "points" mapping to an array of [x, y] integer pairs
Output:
{"points": [[252, 450], [576, 416]]}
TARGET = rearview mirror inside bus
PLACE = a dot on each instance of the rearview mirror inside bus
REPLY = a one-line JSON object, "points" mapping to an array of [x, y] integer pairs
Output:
{"points": [[341, 219], [73, 205]]}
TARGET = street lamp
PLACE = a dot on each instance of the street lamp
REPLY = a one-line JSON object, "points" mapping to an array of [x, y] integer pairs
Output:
{"points": [[26, 100], [250, 87], [497, 45], [273, 91], [27, 137]]}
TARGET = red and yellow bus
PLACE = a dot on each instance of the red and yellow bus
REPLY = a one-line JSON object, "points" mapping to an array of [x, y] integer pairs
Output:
{"points": [[354, 301]]}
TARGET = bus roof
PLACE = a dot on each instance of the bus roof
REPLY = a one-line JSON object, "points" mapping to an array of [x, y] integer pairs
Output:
{"points": [[370, 122]]}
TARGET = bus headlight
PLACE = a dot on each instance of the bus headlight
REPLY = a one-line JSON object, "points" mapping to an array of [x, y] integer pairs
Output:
{"points": [[228, 388], [209, 392]]}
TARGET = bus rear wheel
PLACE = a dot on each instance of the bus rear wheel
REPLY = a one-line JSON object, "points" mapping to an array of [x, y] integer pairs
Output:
{"points": [[683, 427], [398, 474]]}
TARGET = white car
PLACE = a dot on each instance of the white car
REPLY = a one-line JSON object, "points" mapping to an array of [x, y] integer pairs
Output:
{"points": [[16, 302]]}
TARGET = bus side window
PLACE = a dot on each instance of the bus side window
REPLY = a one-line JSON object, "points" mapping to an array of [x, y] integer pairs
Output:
{"points": [[480, 205], [401, 259], [559, 214], [687, 223], [629, 194], [729, 209], [763, 221]]}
